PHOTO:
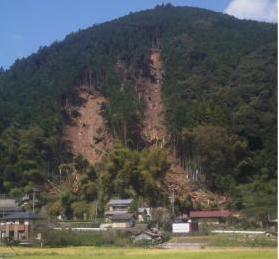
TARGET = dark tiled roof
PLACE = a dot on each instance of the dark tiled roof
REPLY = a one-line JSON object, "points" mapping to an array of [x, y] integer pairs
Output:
{"points": [[210, 214], [122, 216], [21, 215], [8, 206]]}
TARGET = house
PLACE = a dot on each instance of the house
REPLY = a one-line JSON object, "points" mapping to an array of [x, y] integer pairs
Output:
{"points": [[115, 207], [18, 226], [122, 220], [120, 205], [8, 206], [210, 216], [118, 213]]}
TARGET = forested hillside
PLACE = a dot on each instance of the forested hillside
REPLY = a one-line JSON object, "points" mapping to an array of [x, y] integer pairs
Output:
{"points": [[219, 89]]}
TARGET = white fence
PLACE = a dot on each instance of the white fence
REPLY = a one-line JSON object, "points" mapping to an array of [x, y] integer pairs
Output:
{"points": [[83, 229], [248, 232]]}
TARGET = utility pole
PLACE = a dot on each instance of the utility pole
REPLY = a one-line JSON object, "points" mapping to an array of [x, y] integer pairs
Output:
{"points": [[172, 199], [60, 172], [33, 199]]}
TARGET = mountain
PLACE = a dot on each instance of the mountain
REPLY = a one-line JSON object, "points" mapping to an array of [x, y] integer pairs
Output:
{"points": [[209, 78]]}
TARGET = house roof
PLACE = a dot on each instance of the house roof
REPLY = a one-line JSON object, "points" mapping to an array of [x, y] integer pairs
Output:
{"points": [[21, 215], [210, 214], [122, 216], [120, 202], [8, 203]]}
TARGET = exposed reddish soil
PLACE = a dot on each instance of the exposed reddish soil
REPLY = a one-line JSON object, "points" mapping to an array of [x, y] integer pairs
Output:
{"points": [[154, 131], [88, 134]]}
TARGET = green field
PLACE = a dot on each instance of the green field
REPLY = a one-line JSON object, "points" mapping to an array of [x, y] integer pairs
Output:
{"points": [[133, 253], [227, 240]]}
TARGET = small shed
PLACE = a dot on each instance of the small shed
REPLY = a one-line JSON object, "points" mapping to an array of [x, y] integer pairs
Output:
{"points": [[210, 216]]}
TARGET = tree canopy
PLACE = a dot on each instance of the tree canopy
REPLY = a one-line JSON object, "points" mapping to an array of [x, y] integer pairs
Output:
{"points": [[219, 90]]}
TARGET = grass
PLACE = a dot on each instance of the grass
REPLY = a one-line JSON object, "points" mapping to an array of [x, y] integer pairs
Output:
{"points": [[229, 240], [243, 240], [135, 253]]}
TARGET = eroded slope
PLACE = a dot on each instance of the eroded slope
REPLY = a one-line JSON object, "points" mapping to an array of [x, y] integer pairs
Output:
{"points": [[154, 130], [156, 135], [88, 134]]}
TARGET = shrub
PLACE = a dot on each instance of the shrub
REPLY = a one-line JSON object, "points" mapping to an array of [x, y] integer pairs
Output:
{"points": [[57, 238], [79, 208]]}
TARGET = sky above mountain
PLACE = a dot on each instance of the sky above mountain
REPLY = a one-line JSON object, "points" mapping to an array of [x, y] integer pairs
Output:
{"points": [[261, 10], [27, 25]]}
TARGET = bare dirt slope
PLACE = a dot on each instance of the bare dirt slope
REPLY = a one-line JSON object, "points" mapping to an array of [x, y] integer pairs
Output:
{"points": [[88, 134], [154, 131]]}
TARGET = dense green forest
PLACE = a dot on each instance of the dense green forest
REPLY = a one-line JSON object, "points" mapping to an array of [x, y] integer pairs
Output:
{"points": [[219, 90]]}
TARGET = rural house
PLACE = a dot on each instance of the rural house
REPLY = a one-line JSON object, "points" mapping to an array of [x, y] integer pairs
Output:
{"points": [[18, 226], [118, 213], [120, 206]]}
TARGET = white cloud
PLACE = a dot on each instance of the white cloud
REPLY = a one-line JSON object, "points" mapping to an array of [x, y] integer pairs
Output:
{"points": [[260, 10]]}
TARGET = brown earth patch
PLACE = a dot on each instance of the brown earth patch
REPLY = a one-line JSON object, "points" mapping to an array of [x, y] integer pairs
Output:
{"points": [[154, 131], [88, 134]]}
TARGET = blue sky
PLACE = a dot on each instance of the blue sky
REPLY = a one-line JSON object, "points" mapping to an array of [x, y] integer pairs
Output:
{"points": [[25, 25]]}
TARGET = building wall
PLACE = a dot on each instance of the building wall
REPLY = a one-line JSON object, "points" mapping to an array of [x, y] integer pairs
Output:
{"points": [[118, 208], [15, 230], [121, 225], [210, 220]]}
